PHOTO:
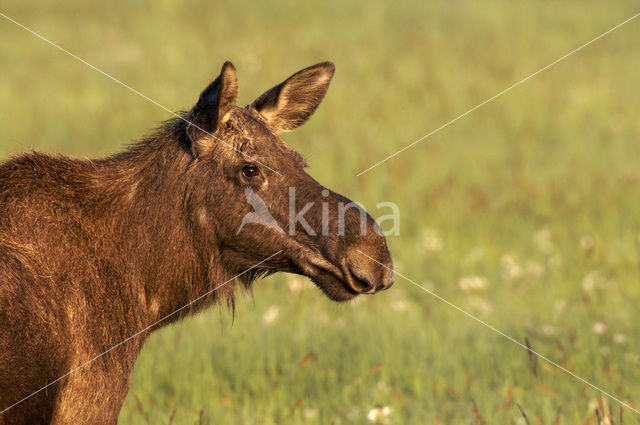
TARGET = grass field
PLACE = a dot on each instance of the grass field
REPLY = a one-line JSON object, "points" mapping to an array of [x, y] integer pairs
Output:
{"points": [[524, 213]]}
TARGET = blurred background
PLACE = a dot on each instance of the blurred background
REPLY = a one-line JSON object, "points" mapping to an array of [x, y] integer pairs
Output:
{"points": [[524, 213]]}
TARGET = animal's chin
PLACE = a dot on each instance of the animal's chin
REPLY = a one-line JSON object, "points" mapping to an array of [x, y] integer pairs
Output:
{"points": [[325, 275], [333, 287]]}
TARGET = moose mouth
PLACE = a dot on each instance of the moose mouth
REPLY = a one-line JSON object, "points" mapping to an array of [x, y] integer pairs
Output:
{"points": [[339, 273], [334, 288], [336, 282]]}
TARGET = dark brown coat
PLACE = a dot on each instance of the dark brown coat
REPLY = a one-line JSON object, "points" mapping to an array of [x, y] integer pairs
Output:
{"points": [[93, 252]]}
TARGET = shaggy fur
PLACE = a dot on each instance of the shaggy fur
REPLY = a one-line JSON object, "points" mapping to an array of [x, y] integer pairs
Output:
{"points": [[93, 251]]}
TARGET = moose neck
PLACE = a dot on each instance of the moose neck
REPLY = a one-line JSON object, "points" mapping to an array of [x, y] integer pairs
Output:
{"points": [[168, 261]]}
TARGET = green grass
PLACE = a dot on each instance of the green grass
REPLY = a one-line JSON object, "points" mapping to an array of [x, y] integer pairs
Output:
{"points": [[536, 192]]}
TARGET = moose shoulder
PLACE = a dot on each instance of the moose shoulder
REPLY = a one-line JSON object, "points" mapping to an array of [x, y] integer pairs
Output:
{"points": [[93, 252]]}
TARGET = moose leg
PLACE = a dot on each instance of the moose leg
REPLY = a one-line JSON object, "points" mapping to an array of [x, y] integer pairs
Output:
{"points": [[92, 395]]}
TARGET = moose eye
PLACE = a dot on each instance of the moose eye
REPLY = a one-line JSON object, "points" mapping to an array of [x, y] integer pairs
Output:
{"points": [[250, 171]]}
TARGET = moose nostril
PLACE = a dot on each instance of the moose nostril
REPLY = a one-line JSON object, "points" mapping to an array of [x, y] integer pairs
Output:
{"points": [[369, 279], [361, 281], [387, 281], [370, 275]]}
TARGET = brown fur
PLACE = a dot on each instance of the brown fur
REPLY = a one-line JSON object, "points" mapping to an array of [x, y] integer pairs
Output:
{"points": [[93, 251]]}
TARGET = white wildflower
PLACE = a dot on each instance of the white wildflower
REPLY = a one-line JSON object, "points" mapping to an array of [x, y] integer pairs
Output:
{"points": [[378, 414], [399, 305], [510, 266], [591, 280], [542, 240], [295, 285], [599, 328], [619, 339], [270, 316], [431, 240], [534, 269], [469, 283], [481, 305], [309, 414]]}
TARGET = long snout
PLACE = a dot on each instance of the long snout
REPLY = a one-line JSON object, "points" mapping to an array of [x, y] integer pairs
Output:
{"points": [[370, 268], [354, 245]]}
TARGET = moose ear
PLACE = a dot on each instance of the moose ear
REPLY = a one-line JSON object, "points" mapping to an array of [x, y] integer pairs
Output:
{"points": [[290, 104], [213, 106]]}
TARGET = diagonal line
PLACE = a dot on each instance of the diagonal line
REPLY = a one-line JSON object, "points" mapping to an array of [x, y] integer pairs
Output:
{"points": [[515, 341], [497, 95], [139, 333], [111, 77]]}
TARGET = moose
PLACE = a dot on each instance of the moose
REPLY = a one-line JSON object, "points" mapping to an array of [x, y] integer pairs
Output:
{"points": [[96, 254]]}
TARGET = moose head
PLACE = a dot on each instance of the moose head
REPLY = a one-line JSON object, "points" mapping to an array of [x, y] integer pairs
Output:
{"points": [[260, 200]]}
